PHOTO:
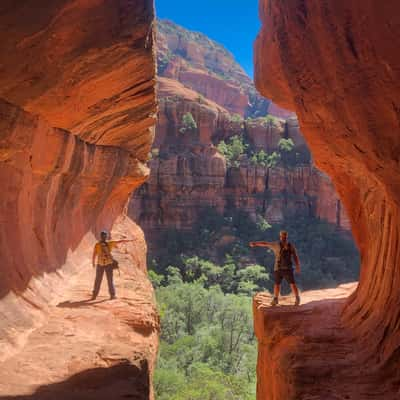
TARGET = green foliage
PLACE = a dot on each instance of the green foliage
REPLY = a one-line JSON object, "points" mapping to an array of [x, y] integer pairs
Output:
{"points": [[263, 159], [271, 120], [155, 278], [288, 156], [233, 150], [266, 121], [327, 256], [236, 118], [188, 123], [262, 223], [207, 349], [285, 145]]}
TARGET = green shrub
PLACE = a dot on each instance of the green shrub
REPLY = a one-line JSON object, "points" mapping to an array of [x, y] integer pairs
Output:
{"points": [[270, 120], [262, 224], [233, 150], [188, 123], [285, 145]]}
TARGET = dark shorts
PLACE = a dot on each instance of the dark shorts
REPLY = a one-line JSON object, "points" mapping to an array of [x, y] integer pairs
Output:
{"points": [[284, 274]]}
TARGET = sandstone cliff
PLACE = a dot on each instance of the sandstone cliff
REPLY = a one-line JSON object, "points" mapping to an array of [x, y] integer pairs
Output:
{"points": [[208, 68], [336, 64], [188, 173], [77, 109]]}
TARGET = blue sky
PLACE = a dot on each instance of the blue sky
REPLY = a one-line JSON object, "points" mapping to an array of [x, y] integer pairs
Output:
{"points": [[233, 23]]}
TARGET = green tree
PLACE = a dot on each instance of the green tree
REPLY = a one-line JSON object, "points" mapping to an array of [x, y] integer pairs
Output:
{"points": [[233, 150], [188, 123], [273, 159], [217, 358], [252, 278], [262, 224], [155, 278], [286, 145], [264, 159]]}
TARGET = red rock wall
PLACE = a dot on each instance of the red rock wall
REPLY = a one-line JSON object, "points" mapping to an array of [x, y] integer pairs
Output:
{"points": [[86, 68], [190, 174], [336, 63]]}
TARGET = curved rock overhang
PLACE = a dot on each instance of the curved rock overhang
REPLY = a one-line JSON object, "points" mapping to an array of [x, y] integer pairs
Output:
{"points": [[77, 115], [336, 63]]}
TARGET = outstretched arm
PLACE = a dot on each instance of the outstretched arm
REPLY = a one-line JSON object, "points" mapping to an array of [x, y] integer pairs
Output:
{"points": [[117, 242], [260, 244]]}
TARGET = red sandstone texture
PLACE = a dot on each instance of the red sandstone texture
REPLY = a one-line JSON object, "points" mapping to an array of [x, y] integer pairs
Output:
{"points": [[336, 64], [77, 108], [90, 350], [188, 173]]}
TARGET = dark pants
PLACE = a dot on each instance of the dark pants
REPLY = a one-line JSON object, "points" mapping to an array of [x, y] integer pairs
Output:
{"points": [[99, 277], [286, 274]]}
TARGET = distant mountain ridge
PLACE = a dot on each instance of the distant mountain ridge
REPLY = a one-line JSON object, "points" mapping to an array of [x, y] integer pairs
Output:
{"points": [[208, 68]]}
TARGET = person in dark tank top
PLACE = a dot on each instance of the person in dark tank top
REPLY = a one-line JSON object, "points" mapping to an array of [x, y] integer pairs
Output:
{"points": [[285, 254]]}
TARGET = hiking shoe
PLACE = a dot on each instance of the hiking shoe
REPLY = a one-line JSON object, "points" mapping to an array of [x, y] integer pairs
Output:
{"points": [[93, 297], [113, 297], [297, 301], [274, 302]]}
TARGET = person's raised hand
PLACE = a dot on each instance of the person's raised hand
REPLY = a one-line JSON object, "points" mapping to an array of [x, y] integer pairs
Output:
{"points": [[251, 244]]}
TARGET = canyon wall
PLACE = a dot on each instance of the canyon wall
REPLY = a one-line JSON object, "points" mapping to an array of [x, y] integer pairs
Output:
{"points": [[77, 109], [336, 64], [188, 173]]}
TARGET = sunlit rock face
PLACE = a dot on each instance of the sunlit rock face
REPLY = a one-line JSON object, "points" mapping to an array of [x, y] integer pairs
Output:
{"points": [[189, 174], [336, 64], [77, 109]]}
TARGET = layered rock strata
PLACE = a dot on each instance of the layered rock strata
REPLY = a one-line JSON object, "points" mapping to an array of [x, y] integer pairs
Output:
{"points": [[188, 173], [336, 65], [77, 109], [209, 69]]}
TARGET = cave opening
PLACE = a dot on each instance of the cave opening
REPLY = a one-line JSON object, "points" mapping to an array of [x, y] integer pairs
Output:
{"points": [[226, 176], [77, 113]]}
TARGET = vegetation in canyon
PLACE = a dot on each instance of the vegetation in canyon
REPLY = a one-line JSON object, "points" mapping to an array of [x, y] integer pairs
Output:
{"points": [[202, 207], [208, 349]]}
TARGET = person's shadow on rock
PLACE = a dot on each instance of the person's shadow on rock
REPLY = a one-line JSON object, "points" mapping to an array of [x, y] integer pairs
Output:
{"points": [[80, 303]]}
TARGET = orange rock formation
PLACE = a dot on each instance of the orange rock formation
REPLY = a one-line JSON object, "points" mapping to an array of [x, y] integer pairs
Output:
{"points": [[77, 109], [336, 64]]}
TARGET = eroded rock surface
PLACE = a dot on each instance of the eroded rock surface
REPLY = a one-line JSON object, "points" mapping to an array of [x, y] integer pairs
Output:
{"points": [[189, 174], [305, 352], [336, 64], [92, 349], [77, 109]]}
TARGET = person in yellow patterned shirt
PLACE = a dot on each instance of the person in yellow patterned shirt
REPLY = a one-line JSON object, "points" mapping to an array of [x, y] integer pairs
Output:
{"points": [[102, 254]]}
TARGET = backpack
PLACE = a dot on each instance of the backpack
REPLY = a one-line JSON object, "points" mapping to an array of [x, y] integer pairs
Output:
{"points": [[114, 264], [287, 258]]}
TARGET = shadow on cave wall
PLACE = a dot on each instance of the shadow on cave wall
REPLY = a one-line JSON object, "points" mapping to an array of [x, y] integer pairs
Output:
{"points": [[122, 381]]}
